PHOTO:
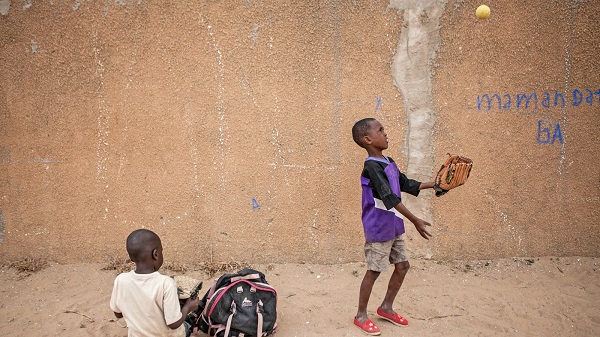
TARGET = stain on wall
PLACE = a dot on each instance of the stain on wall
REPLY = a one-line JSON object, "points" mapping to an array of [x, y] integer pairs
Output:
{"points": [[225, 126]]}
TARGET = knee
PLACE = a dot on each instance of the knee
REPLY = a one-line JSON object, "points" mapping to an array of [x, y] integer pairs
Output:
{"points": [[371, 274], [402, 267]]}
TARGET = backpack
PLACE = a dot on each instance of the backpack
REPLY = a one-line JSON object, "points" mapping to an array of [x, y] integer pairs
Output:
{"points": [[241, 304]]}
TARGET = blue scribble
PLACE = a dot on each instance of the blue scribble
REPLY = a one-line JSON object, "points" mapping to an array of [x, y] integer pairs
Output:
{"points": [[543, 136], [378, 105], [255, 205], [532, 100]]}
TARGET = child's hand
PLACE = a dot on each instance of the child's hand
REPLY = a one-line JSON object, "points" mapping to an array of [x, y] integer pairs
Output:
{"points": [[192, 304], [421, 224]]}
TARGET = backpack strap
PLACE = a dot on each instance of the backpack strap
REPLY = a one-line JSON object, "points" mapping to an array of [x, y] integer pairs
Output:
{"points": [[259, 326], [228, 327]]}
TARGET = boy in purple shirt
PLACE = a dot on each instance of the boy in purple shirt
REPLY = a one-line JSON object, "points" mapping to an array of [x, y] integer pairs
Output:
{"points": [[383, 226]]}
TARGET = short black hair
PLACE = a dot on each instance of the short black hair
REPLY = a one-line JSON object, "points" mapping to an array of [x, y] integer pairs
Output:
{"points": [[361, 129], [141, 242]]}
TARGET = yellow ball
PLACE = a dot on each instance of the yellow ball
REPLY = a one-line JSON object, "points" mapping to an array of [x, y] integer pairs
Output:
{"points": [[482, 12]]}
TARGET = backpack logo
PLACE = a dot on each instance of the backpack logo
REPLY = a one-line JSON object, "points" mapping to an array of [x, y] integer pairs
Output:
{"points": [[246, 302]]}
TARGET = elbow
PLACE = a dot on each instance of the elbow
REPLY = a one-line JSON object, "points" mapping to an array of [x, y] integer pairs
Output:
{"points": [[175, 325]]}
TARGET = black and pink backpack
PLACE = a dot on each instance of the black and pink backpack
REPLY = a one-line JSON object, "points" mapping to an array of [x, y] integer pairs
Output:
{"points": [[237, 305]]}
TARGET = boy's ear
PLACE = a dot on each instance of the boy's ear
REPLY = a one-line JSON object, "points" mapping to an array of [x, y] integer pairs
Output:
{"points": [[155, 254], [367, 140]]}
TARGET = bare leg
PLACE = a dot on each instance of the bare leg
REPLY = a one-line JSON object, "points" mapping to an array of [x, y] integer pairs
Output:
{"points": [[365, 292], [400, 270]]}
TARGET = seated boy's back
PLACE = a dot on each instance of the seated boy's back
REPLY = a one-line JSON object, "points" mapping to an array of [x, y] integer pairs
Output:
{"points": [[147, 299], [149, 303]]}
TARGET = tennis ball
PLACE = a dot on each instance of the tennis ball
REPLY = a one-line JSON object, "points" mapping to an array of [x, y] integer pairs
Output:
{"points": [[482, 12]]}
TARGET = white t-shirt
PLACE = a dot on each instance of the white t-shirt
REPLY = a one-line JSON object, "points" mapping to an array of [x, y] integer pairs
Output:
{"points": [[148, 302]]}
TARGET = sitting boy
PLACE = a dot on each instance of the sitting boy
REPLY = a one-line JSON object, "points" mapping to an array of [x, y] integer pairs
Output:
{"points": [[147, 299]]}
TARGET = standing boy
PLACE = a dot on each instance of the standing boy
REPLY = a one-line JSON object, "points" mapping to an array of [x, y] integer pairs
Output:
{"points": [[147, 299], [383, 226]]}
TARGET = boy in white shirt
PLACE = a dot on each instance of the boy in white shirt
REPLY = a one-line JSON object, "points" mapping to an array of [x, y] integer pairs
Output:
{"points": [[147, 299]]}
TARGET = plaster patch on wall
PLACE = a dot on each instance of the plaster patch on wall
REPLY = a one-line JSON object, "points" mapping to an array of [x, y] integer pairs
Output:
{"points": [[4, 7], [122, 3], [126, 2], [77, 4], [254, 35], [411, 71], [34, 47]]}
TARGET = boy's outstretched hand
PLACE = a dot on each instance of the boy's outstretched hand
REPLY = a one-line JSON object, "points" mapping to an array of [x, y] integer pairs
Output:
{"points": [[192, 304], [421, 226]]}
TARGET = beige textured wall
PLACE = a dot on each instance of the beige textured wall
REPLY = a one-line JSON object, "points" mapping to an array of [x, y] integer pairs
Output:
{"points": [[225, 126], [530, 194]]}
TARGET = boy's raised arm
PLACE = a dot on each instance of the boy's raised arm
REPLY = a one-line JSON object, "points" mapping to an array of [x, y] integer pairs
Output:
{"points": [[426, 185]]}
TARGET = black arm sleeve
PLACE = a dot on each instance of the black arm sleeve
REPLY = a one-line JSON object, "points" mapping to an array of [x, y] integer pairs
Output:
{"points": [[409, 186], [381, 186]]}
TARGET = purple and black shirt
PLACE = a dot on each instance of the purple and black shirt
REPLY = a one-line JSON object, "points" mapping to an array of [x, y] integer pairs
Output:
{"points": [[382, 183]]}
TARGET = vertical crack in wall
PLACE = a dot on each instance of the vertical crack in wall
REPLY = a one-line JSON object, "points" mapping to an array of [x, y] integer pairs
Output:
{"points": [[335, 119], [411, 71], [190, 130], [572, 24], [102, 151], [573, 9], [335, 129], [220, 109]]}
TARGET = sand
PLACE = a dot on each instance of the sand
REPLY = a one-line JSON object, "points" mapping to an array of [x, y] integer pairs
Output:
{"points": [[508, 297]]}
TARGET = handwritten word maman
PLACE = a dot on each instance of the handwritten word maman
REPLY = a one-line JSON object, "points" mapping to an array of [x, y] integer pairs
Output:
{"points": [[545, 100]]}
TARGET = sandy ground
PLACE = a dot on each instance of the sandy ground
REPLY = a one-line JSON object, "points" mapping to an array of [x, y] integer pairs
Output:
{"points": [[516, 297]]}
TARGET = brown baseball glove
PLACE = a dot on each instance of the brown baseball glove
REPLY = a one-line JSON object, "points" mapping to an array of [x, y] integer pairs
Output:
{"points": [[453, 173]]}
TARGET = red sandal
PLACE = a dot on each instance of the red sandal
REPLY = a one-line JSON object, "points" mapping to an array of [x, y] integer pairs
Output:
{"points": [[395, 318], [368, 327]]}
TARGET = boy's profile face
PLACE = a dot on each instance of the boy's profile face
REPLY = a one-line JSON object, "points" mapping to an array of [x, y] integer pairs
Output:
{"points": [[376, 136]]}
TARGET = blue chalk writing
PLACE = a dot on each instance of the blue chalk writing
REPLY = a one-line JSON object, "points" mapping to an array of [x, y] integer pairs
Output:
{"points": [[589, 97], [489, 100], [521, 97], [378, 105], [585, 97], [255, 205], [543, 136]]}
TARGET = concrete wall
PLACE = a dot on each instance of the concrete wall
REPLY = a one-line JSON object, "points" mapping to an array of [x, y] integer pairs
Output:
{"points": [[224, 126]]}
